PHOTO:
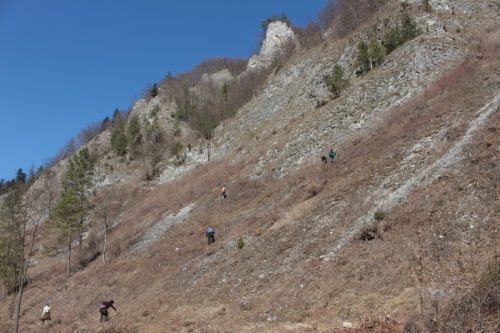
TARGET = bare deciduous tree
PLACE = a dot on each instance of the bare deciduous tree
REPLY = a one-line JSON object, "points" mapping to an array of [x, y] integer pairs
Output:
{"points": [[108, 204], [19, 225]]}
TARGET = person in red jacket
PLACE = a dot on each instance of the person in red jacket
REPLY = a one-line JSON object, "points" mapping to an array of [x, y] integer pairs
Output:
{"points": [[103, 309]]}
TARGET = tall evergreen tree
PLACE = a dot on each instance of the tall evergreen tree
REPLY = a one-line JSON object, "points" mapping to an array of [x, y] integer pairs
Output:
{"points": [[134, 129], [20, 176], [67, 218]]}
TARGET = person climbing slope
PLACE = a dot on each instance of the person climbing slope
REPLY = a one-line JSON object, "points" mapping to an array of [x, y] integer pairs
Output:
{"points": [[45, 314], [223, 192], [332, 153], [103, 310], [210, 234], [324, 159]]}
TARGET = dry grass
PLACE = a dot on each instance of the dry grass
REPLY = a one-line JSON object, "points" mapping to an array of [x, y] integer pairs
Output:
{"points": [[149, 205], [485, 44]]}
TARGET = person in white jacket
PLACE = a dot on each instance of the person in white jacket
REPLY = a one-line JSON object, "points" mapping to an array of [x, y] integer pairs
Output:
{"points": [[46, 313]]}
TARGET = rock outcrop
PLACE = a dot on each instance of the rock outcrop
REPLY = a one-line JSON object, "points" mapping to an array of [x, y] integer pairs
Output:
{"points": [[279, 37]]}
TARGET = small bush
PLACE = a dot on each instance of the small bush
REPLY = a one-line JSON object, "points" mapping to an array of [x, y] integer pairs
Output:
{"points": [[369, 233], [274, 18], [241, 243], [176, 148], [335, 82], [405, 31], [177, 130], [154, 111], [392, 39], [379, 215]]}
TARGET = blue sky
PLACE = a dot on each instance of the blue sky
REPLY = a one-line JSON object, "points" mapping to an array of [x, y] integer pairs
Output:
{"points": [[65, 64]]}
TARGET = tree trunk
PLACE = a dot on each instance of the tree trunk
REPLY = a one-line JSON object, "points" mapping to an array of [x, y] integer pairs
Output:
{"points": [[80, 236], [369, 55], [18, 301], [105, 241], [208, 151], [68, 269]]}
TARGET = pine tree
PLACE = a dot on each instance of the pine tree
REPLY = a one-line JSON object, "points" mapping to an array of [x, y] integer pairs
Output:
{"points": [[409, 29], [376, 51], [67, 219], [20, 176], [363, 58], [119, 141], [116, 120], [154, 91], [134, 129], [335, 82]]}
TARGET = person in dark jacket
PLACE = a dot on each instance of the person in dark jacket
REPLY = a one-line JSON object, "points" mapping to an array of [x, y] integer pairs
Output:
{"points": [[210, 233], [103, 309], [223, 192], [332, 153]]}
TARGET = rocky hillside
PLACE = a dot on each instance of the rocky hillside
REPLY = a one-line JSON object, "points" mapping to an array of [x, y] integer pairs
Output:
{"points": [[399, 234]]}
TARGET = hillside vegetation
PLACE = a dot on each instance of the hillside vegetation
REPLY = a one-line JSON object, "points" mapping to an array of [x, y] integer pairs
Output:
{"points": [[398, 234]]}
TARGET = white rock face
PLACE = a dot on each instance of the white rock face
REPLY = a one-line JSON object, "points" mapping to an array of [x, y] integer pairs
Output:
{"points": [[156, 109], [278, 36]]}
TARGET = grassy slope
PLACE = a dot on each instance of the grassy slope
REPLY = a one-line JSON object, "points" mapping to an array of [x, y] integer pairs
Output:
{"points": [[277, 282]]}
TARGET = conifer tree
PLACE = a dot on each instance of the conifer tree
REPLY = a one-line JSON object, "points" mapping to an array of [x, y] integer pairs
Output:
{"points": [[154, 91], [67, 219], [134, 129], [119, 141]]}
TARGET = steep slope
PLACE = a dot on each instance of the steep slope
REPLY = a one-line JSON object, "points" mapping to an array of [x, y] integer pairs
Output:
{"points": [[401, 224]]}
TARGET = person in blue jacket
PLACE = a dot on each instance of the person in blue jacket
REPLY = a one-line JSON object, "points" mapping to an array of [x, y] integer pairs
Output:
{"points": [[332, 153]]}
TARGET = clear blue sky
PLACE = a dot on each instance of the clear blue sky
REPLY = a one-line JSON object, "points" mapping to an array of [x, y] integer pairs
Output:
{"points": [[67, 63]]}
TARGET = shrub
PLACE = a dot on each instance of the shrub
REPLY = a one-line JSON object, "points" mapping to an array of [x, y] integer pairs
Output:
{"points": [[241, 243], [274, 18], [379, 215], [134, 129], [363, 58], [335, 82], [377, 52], [409, 29], [392, 39], [369, 233], [405, 31], [176, 148], [153, 113], [119, 141]]}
